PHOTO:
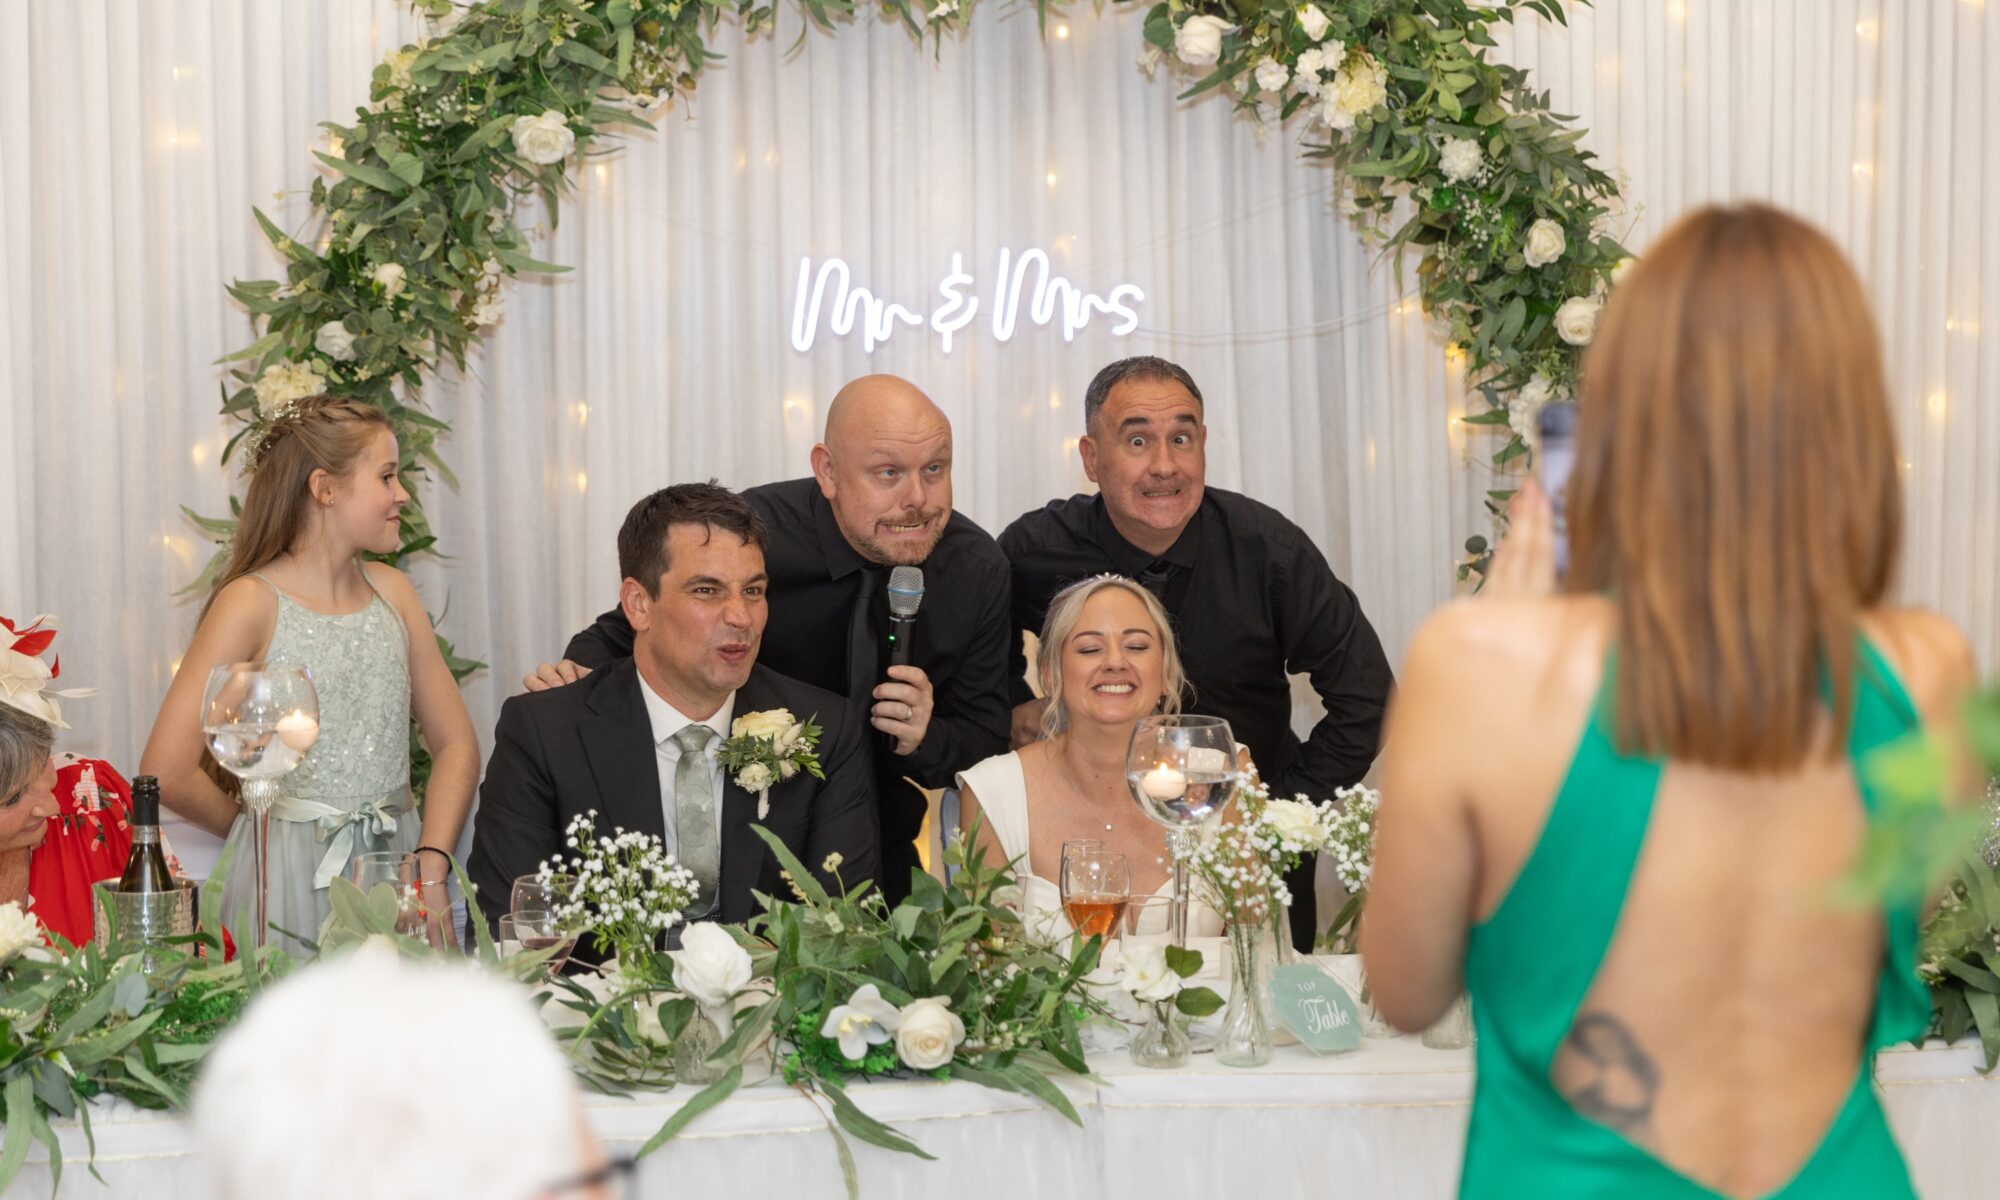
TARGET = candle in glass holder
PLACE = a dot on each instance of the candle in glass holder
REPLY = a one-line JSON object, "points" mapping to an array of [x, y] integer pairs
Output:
{"points": [[1164, 783], [298, 730]]}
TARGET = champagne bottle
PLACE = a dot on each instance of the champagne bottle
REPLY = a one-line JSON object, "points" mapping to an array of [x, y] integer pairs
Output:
{"points": [[146, 868]]}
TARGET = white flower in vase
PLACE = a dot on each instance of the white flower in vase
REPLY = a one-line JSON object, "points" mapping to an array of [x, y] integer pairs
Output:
{"points": [[710, 967], [1147, 975]]}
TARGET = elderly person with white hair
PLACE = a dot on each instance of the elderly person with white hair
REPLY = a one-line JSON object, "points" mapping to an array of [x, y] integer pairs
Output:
{"points": [[1106, 658], [309, 1097]]}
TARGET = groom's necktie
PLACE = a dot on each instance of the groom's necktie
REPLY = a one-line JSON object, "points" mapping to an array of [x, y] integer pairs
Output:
{"points": [[698, 842], [1155, 580]]}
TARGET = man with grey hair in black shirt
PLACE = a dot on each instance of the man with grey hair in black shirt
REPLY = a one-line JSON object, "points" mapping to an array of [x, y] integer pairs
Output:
{"points": [[1252, 599]]}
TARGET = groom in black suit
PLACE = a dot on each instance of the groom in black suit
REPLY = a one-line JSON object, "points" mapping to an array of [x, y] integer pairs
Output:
{"points": [[637, 742]]}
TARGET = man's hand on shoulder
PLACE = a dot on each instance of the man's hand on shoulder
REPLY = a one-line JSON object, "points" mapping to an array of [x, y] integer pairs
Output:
{"points": [[553, 675], [1027, 723]]}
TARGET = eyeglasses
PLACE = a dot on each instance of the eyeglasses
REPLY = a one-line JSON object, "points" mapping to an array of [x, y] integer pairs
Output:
{"points": [[615, 1175]]}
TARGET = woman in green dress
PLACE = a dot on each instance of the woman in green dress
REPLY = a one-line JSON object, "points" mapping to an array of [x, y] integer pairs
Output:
{"points": [[1613, 807]]}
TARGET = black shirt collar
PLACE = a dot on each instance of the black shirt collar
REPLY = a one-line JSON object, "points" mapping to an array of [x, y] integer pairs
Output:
{"points": [[842, 559], [1130, 560]]}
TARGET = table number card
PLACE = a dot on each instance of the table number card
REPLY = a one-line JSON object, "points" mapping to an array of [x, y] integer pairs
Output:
{"points": [[1316, 1008]]}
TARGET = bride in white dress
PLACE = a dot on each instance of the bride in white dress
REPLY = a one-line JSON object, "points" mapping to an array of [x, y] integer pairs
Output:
{"points": [[1106, 659]]}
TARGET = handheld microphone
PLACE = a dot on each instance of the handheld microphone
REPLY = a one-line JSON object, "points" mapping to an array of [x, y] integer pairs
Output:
{"points": [[906, 594]]}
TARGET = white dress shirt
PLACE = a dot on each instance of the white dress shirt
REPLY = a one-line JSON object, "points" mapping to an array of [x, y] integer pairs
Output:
{"points": [[668, 721]]}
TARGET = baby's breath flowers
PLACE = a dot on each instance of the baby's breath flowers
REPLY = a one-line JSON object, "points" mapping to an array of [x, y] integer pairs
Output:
{"points": [[624, 888]]}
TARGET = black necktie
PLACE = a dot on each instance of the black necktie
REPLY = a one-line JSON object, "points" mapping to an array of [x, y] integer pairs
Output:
{"points": [[862, 666], [1155, 579]]}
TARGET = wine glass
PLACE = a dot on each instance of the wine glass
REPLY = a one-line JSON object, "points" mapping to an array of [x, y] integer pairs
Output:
{"points": [[259, 720], [398, 872], [537, 929], [1182, 770], [1095, 886], [531, 892]]}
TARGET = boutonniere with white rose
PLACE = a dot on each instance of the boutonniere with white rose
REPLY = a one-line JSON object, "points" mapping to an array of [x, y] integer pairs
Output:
{"points": [[768, 747]]}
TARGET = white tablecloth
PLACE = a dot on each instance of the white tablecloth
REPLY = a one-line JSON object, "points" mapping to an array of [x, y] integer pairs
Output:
{"points": [[1386, 1121]]}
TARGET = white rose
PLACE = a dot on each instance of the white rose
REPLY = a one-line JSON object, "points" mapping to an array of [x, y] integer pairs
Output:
{"points": [[543, 140], [1272, 74], [1576, 320], [1460, 159], [399, 68], [1293, 820], [1545, 243], [281, 383], [1313, 22], [929, 1033], [754, 778], [1147, 975], [767, 724], [19, 930], [1198, 42], [392, 277], [710, 967], [1361, 85], [335, 342]]}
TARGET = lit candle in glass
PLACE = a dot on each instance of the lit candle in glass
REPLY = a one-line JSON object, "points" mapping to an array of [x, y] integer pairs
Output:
{"points": [[1164, 783], [298, 730]]}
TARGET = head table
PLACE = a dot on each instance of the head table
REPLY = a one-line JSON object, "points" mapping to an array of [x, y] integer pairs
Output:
{"points": [[1384, 1121]]}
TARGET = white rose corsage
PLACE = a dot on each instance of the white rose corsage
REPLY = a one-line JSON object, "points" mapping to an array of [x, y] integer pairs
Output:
{"points": [[768, 747]]}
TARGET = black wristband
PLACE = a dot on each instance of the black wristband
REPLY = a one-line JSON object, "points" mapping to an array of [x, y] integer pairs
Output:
{"points": [[434, 850]]}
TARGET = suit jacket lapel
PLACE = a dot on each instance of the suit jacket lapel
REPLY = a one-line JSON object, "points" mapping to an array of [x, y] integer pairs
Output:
{"points": [[743, 852], [617, 740]]}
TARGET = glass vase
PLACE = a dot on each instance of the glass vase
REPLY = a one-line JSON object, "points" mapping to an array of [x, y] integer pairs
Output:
{"points": [[1245, 1039], [1162, 1043], [1281, 953], [1453, 1030], [694, 1045]]}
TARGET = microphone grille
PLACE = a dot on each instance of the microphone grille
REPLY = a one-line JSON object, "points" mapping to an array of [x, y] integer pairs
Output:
{"points": [[906, 591]]}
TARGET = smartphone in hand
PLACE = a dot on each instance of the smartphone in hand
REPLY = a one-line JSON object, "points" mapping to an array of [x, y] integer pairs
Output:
{"points": [[1554, 459]]}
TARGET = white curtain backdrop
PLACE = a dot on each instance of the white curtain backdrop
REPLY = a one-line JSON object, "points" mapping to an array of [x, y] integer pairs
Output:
{"points": [[135, 137]]}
